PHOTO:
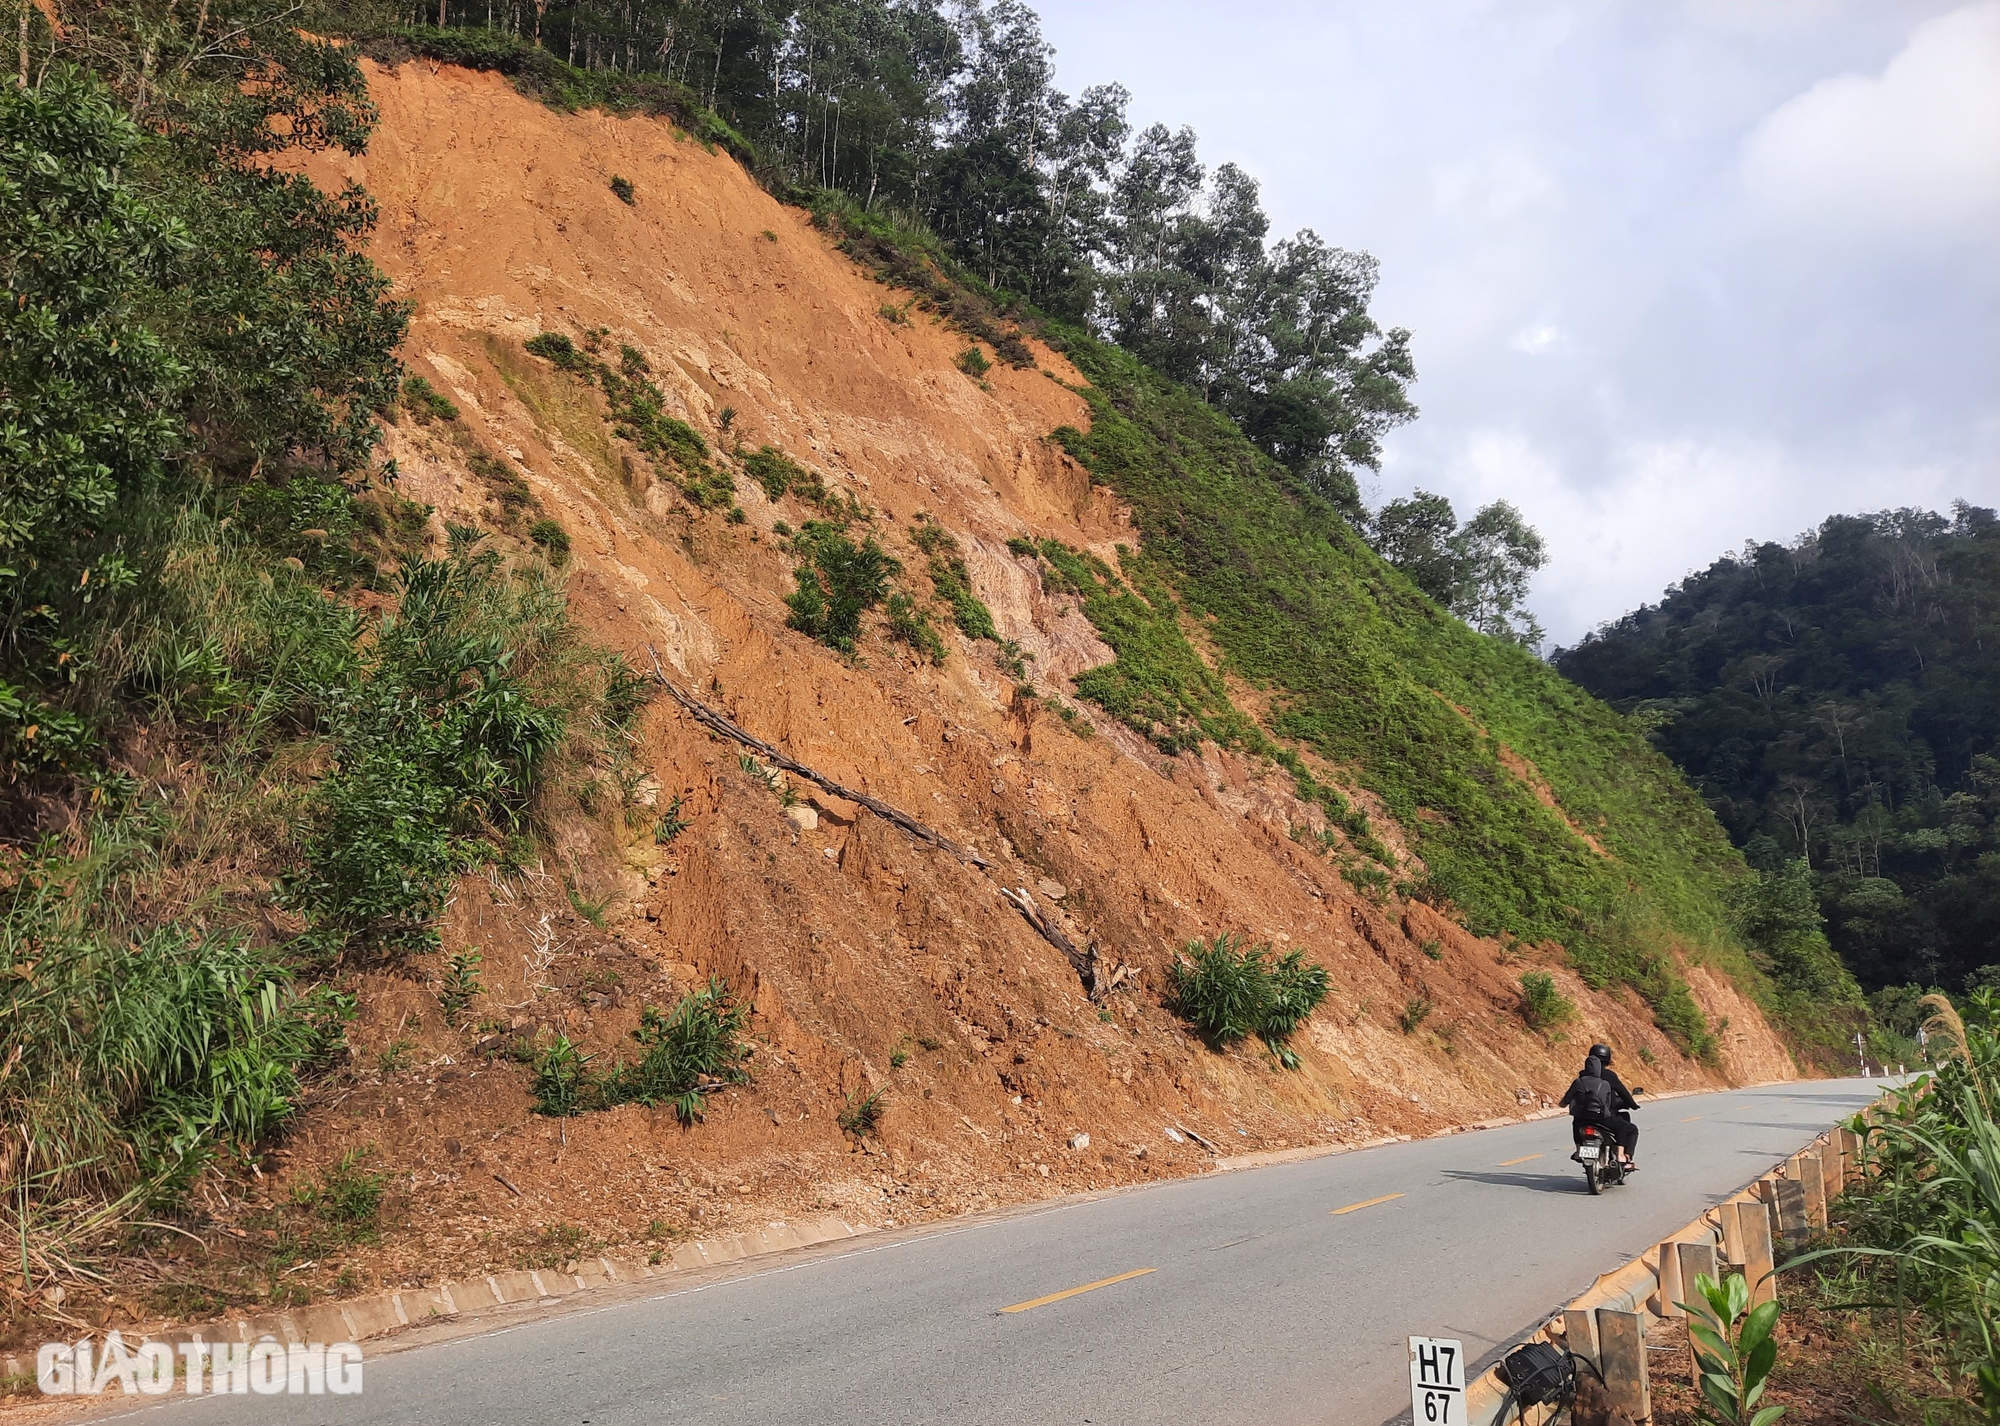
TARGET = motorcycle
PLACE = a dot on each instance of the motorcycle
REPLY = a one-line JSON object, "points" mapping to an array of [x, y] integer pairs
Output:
{"points": [[1597, 1151]]}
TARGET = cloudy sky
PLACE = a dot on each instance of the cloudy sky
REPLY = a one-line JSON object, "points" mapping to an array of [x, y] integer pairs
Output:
{"points": [[1680, 274]]}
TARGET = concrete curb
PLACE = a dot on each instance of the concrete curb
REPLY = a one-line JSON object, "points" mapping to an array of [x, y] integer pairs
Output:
{"points": [[1643, 1291], [362, 1318]]}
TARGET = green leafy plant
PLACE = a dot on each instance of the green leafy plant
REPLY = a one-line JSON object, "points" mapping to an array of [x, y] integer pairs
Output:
{"points": [[671, 823], [862, 1114], [625, 191], [461, 984], [699, 1044], [908, 623], [1230, 990], [1734, 1350], [973, 362], [552, 539], [1415, 1011], [1543, 1006], [563, 1085], [346, 1195], [838, 582], [426, 402]]}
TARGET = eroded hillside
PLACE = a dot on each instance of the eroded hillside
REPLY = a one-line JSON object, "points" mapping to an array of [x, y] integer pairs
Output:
{"points": [[871, 961]]}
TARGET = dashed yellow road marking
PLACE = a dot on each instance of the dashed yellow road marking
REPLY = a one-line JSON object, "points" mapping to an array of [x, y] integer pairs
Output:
{"points": [[1365, 1203], [1509, 1163], [1072, 1292], [1690, 1119]]}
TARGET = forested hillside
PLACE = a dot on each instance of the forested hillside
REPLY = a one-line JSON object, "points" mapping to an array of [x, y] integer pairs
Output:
{"points": [[1837, 701]]}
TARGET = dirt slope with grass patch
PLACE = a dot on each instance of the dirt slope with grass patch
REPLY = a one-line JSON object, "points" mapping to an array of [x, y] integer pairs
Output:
{"points": [[711, 330]]}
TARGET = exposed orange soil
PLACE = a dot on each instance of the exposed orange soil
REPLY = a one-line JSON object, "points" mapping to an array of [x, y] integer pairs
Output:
{"points": [[858, 948]]}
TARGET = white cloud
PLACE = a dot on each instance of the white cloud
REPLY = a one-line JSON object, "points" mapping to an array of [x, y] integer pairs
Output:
{"points": [[1537, 340], [1912, 152]]}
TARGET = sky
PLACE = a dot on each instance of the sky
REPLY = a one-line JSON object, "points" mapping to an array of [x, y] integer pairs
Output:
{"points": [[1680, 273]]}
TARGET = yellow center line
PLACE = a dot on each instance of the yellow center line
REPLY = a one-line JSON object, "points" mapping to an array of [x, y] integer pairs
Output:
{"points": [[1509, 1163], [1072, 1292], [1690, 1119], [1365, 1203]]}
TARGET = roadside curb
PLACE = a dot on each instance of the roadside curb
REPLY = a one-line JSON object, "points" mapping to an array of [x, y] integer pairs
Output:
{"points": [[469, 1299]]}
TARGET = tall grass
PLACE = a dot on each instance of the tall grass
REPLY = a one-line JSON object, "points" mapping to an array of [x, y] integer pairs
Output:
{"points": [[1929, 1207]]}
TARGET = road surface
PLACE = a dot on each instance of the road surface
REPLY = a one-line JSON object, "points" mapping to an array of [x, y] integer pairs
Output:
{"points": [[1274, 1295]]}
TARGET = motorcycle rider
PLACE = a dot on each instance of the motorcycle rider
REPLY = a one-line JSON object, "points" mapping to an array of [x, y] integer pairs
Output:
{"points": [[1622, 1101], [1591, 1100]]}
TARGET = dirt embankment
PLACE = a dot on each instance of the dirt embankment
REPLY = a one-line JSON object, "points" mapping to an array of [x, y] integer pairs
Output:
{"points": [[871, 961]]}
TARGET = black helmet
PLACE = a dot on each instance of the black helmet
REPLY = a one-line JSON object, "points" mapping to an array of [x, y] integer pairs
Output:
{"points": [[1601, 1053]]}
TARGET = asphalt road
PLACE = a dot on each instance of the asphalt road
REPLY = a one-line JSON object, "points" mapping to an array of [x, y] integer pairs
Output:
{"points": [[1275, 1295]]}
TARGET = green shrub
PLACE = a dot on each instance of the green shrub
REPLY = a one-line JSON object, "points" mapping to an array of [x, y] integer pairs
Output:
{"points": [[553, 540], [346, 1196], [1417, 1010], [426, 402], [838, 582], [699, 1043], [952, 580], [1230, 990], [563, 1086], [436, 742], [1543, 1006], [779, 473], [623, 188], [973, 362], [461, 983], [908, 623], [862, 1114]]}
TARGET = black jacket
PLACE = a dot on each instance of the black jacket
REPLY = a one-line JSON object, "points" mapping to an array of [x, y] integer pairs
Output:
{"points": [[1584, 1096], [1621, 1097]]}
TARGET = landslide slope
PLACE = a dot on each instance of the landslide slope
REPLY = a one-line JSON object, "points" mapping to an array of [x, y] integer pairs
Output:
{"points": [[1488, 822]]}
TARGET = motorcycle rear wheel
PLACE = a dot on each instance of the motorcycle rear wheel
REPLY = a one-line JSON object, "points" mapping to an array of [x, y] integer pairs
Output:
{"points": [[1590, 1178]]}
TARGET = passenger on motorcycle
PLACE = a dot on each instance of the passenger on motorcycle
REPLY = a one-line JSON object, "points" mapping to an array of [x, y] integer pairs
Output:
{"points": [[1591, 1100]]}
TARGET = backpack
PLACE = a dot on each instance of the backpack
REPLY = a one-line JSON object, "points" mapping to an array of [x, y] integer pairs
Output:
{"points": [[1589, 1098]]}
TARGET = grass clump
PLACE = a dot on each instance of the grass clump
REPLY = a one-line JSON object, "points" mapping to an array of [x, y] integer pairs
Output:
{"points": [[699, 1044], [626, 193], [1415, 1011], [426, 402], [552, 540], [863, 1113], [687, 1052], [908, 622], [346, 1196], [1230, 990], [952, 580], [1543, 1006], [778, 473], [838, 582], [461, 984]]}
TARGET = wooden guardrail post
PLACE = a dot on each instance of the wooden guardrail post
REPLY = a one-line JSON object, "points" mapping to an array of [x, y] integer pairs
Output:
{"points": [[1668, 1274], [1580, 1334], [1813, 1181], [1732, 1229], [1850, 1155], [1832, 1168], [1754, 1225], [1621, 1345], [1787, 1197], [1696, 1260]]}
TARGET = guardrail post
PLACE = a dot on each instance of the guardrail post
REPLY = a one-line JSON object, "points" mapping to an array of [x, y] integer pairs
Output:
{"points": [[1696, 1260], [1621, 1344], [1788, 1200], [1813, 1180], [1754, 1221], [1580, 1334], [1668, 1274], [1832, 1169], [1850, 1155], [1732, 1229]]}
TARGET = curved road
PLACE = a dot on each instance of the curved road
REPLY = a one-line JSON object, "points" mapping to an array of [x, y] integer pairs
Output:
{"points": [[1274, 1295]]}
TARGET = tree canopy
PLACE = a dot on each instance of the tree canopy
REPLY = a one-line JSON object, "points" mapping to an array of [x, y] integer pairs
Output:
{"points": [[1837, 700]]}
